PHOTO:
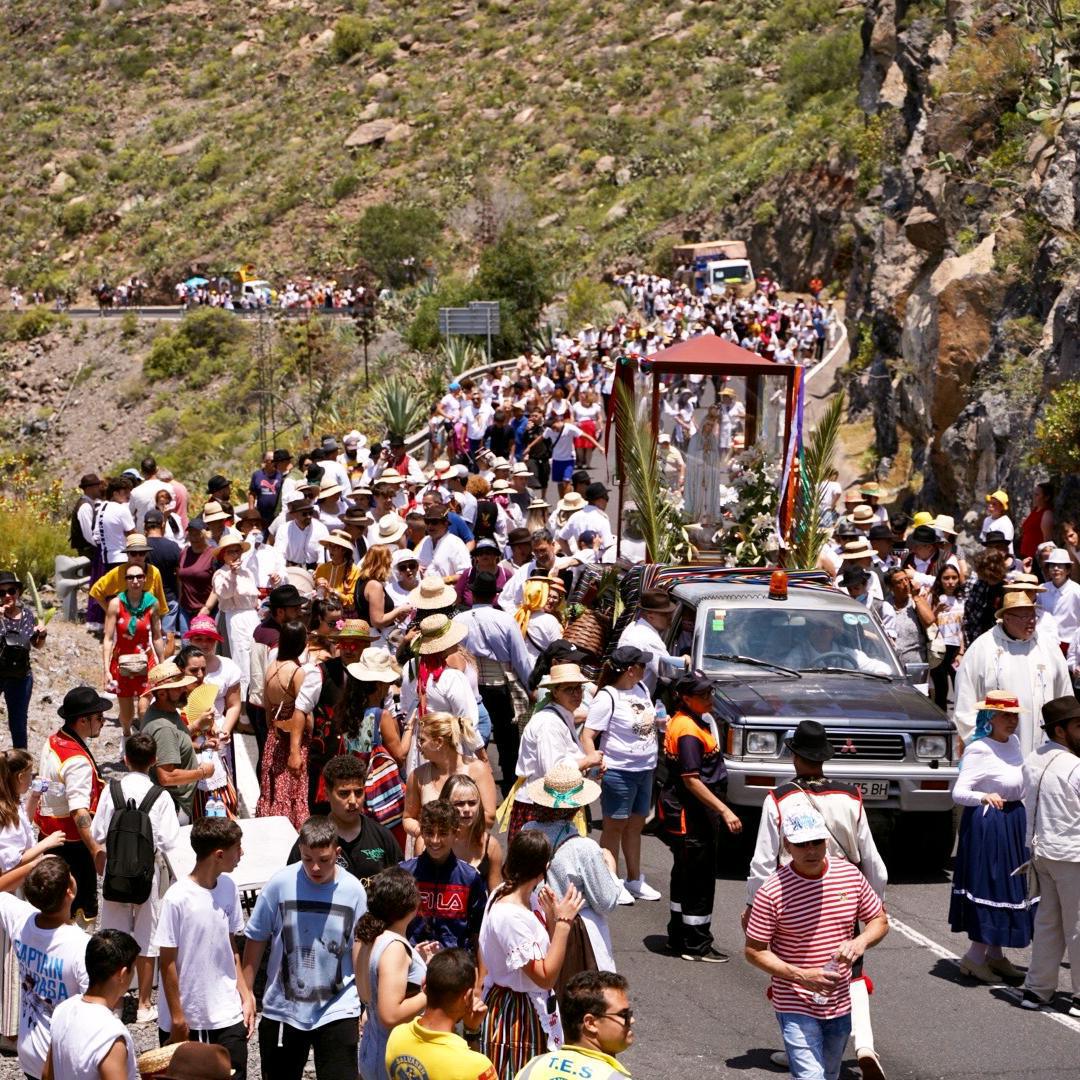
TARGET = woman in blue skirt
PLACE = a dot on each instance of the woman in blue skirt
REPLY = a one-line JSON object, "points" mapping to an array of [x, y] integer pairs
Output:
{"points": [[989, 904]]}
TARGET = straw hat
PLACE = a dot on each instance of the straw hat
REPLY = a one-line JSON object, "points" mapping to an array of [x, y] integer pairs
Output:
{"points": [[1014, 601], [432, 593], [359, 629], [862, 515], [328, 489], [857, 549], [375, 665], [437, 634], [571, 501], [136, 542], [212, 511], [563, 675], [387, 476], [390, 530], [563, 788], [1000, 701], [440, 467], [501, 485], [231, 538], [167, 676], [521, 469], [945, 524], [186, 1061], [538, 504], [872, 489], [338, 538], [1023, 583]]}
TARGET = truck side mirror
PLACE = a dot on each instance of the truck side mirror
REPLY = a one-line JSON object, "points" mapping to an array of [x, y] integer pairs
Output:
{"points": [[917, 673]]}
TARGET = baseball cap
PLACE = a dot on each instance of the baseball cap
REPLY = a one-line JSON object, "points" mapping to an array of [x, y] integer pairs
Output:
{"points": [[803, 824], [403, 555], [485, 544]]}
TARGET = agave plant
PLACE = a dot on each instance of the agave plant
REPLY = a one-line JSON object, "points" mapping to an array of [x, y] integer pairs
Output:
{"points": [[808, 534], [457, 356], [661, 524], [542, 339], [400, 405]]}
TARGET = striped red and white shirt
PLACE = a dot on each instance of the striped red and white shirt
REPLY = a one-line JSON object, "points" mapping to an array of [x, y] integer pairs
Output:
{"points": [[803, 921]]}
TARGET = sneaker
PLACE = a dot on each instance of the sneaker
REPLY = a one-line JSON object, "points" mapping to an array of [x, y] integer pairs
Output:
{"points": [[1028, 1000], [144, 1016], [642, 890], [780, 1059], [710, 956], [869, 1065], [625, 897], [1074, 1008]]}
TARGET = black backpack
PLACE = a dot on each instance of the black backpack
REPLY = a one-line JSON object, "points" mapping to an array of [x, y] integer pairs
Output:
{"points": [[75, 536], [129, 848]]}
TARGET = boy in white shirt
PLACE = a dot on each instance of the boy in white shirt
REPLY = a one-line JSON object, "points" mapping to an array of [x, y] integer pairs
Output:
{"points": [[139, 920], [51, 953], [89, 1042], [207, 999]]}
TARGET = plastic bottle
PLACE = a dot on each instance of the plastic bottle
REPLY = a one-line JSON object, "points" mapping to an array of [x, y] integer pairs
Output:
{"points": [[819, 998], [215, 807], [661, 715]]}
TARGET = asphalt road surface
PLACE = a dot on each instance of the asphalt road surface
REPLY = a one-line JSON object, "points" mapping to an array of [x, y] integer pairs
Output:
{"points": [[706, 1020]]}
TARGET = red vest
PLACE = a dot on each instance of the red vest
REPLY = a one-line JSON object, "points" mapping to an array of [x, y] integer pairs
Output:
{"points": [[63, 748]]}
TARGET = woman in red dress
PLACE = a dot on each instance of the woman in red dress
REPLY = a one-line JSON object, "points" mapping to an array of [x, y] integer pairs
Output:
{"points": [[1038, 526], [132, 629], [283, 781]]}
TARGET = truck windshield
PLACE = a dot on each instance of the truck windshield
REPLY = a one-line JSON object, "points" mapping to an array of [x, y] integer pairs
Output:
{"points": [[800, 639]]}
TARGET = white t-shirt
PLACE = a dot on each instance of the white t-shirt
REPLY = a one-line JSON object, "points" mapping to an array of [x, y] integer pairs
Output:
{"points": [[449, 556], [587, 518], [52, 968], [950, 622], [82, 1035], [114, 523], [224, 678], [143, 498], [543, 629], [1002, 525], [628, 720], [587, 412], [14, 840], [562, 442], [199, 924], [451, 406]]}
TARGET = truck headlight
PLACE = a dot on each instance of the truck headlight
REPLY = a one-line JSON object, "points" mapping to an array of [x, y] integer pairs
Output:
{"points": [[932, 746], [761, 742]]}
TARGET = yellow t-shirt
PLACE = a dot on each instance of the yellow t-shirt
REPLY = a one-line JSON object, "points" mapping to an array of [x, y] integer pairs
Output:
{"points": [[416, 1053], [572, 1062], [111, 584]]}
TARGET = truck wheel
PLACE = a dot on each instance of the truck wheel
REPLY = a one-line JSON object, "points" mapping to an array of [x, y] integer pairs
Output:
{"points": [[923, 842]]}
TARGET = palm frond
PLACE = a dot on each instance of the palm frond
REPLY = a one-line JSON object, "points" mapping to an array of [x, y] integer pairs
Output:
{"points": [[659, 519], [807, 532]]}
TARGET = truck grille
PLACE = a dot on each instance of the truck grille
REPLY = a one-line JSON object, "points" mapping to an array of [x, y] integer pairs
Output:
{"points": [[867, 746]]}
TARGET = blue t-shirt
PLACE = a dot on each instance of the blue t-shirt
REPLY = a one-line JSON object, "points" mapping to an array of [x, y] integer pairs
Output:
{"points": [[266, 490], [459, 527], [309, 978], [452, 899]]}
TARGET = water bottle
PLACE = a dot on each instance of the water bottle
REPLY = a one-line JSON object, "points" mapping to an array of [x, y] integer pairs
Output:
{"points": [[661, 715], [215, 807], [39, 784], [819, 998]]}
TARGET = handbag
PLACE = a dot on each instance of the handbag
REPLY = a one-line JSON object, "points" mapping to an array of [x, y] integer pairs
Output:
{"points": [[384, 790], [133, 665], [935, 653], [14, 655]]}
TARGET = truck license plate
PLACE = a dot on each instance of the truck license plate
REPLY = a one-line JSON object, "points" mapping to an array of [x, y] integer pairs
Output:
{"points": [[873, 789]]}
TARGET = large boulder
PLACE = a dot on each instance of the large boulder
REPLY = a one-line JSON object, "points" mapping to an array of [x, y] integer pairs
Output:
{"points": [[370, 133]]}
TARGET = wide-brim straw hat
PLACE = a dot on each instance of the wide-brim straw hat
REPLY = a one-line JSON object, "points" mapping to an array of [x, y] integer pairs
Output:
{"points": [[1023, 583], [432, 593], [571, 501], [339, 538], [167, 676], [862, 515], [389, 530], [387, 476], [375, 665], [538, 504], [231, 538], [857, 549], [356, 629], [1000, 701], [328, 490], [500, 485], [1014, 601], [437, 634], [563, 787], [564, 675], [212, 511], [186, 1061], [945, 524]]}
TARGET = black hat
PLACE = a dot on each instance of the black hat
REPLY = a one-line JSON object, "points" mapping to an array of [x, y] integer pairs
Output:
{"points": [[881, 532], [282, 455], [83, 701], [518, 536], [995, 536], [596, 491], [8, 578], [485, 585], [1060, 711], [692, 684], [90, 480], [923, 534], [579, 476], [854, 575], [216, 483], [196, 523], [627, 655], [810, 741], [844, 530], [285, 596], [396, 440], [655, 600]]}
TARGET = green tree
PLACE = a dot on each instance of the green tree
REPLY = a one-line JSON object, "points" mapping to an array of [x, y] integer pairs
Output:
{"points": [[586, 301], [1057, 433], [396, 241]]}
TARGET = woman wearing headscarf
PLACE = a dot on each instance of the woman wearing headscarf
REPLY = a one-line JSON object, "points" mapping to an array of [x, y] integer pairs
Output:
{"points": [[541, 598], [989, 903]]}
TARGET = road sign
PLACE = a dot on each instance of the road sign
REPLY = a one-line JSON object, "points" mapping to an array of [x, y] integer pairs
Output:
{"points": [[479, 319]]}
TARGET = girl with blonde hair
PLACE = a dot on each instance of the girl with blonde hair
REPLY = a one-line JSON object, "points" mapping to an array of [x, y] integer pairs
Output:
{"points": [[370, 599], [444, 744], [474, 842]]}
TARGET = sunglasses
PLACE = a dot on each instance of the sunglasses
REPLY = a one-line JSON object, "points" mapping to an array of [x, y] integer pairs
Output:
{"points": [[623, 1015], [9, 592], [136, 577]]}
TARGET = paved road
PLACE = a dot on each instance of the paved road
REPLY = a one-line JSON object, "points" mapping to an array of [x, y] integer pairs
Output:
{"points": [[713, 1021]]}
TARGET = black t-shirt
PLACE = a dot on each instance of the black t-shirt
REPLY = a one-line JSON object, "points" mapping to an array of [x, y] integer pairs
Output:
{"points": [[165, 555], [373, 849], [500, 439]]}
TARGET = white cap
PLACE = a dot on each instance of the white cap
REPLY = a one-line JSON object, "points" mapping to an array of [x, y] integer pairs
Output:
{"points": [[295, 497], [1058, 557], [663, 437], [802, 823], [403, 555], [460, 472]]}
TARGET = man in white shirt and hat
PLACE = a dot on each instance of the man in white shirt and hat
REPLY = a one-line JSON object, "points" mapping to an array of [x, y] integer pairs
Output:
{"points": [[1061, 597], [440, 551], [655, 610], [1012, 657], [592, 518], [298, 538]]}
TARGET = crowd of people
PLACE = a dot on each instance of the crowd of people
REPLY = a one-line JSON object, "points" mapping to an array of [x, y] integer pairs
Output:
{"points": [[373, 648], [303, 296]]}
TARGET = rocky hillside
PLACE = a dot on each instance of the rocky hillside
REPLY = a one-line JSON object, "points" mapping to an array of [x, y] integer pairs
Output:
{"points": [[148, 136], [964, 295]]}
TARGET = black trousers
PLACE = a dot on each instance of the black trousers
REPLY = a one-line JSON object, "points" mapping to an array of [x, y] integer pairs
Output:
{"points": [[256, 715], [234, 1039], [942, 676], [693, 886], [284, 1050], [504, 732], [81, 865]]}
